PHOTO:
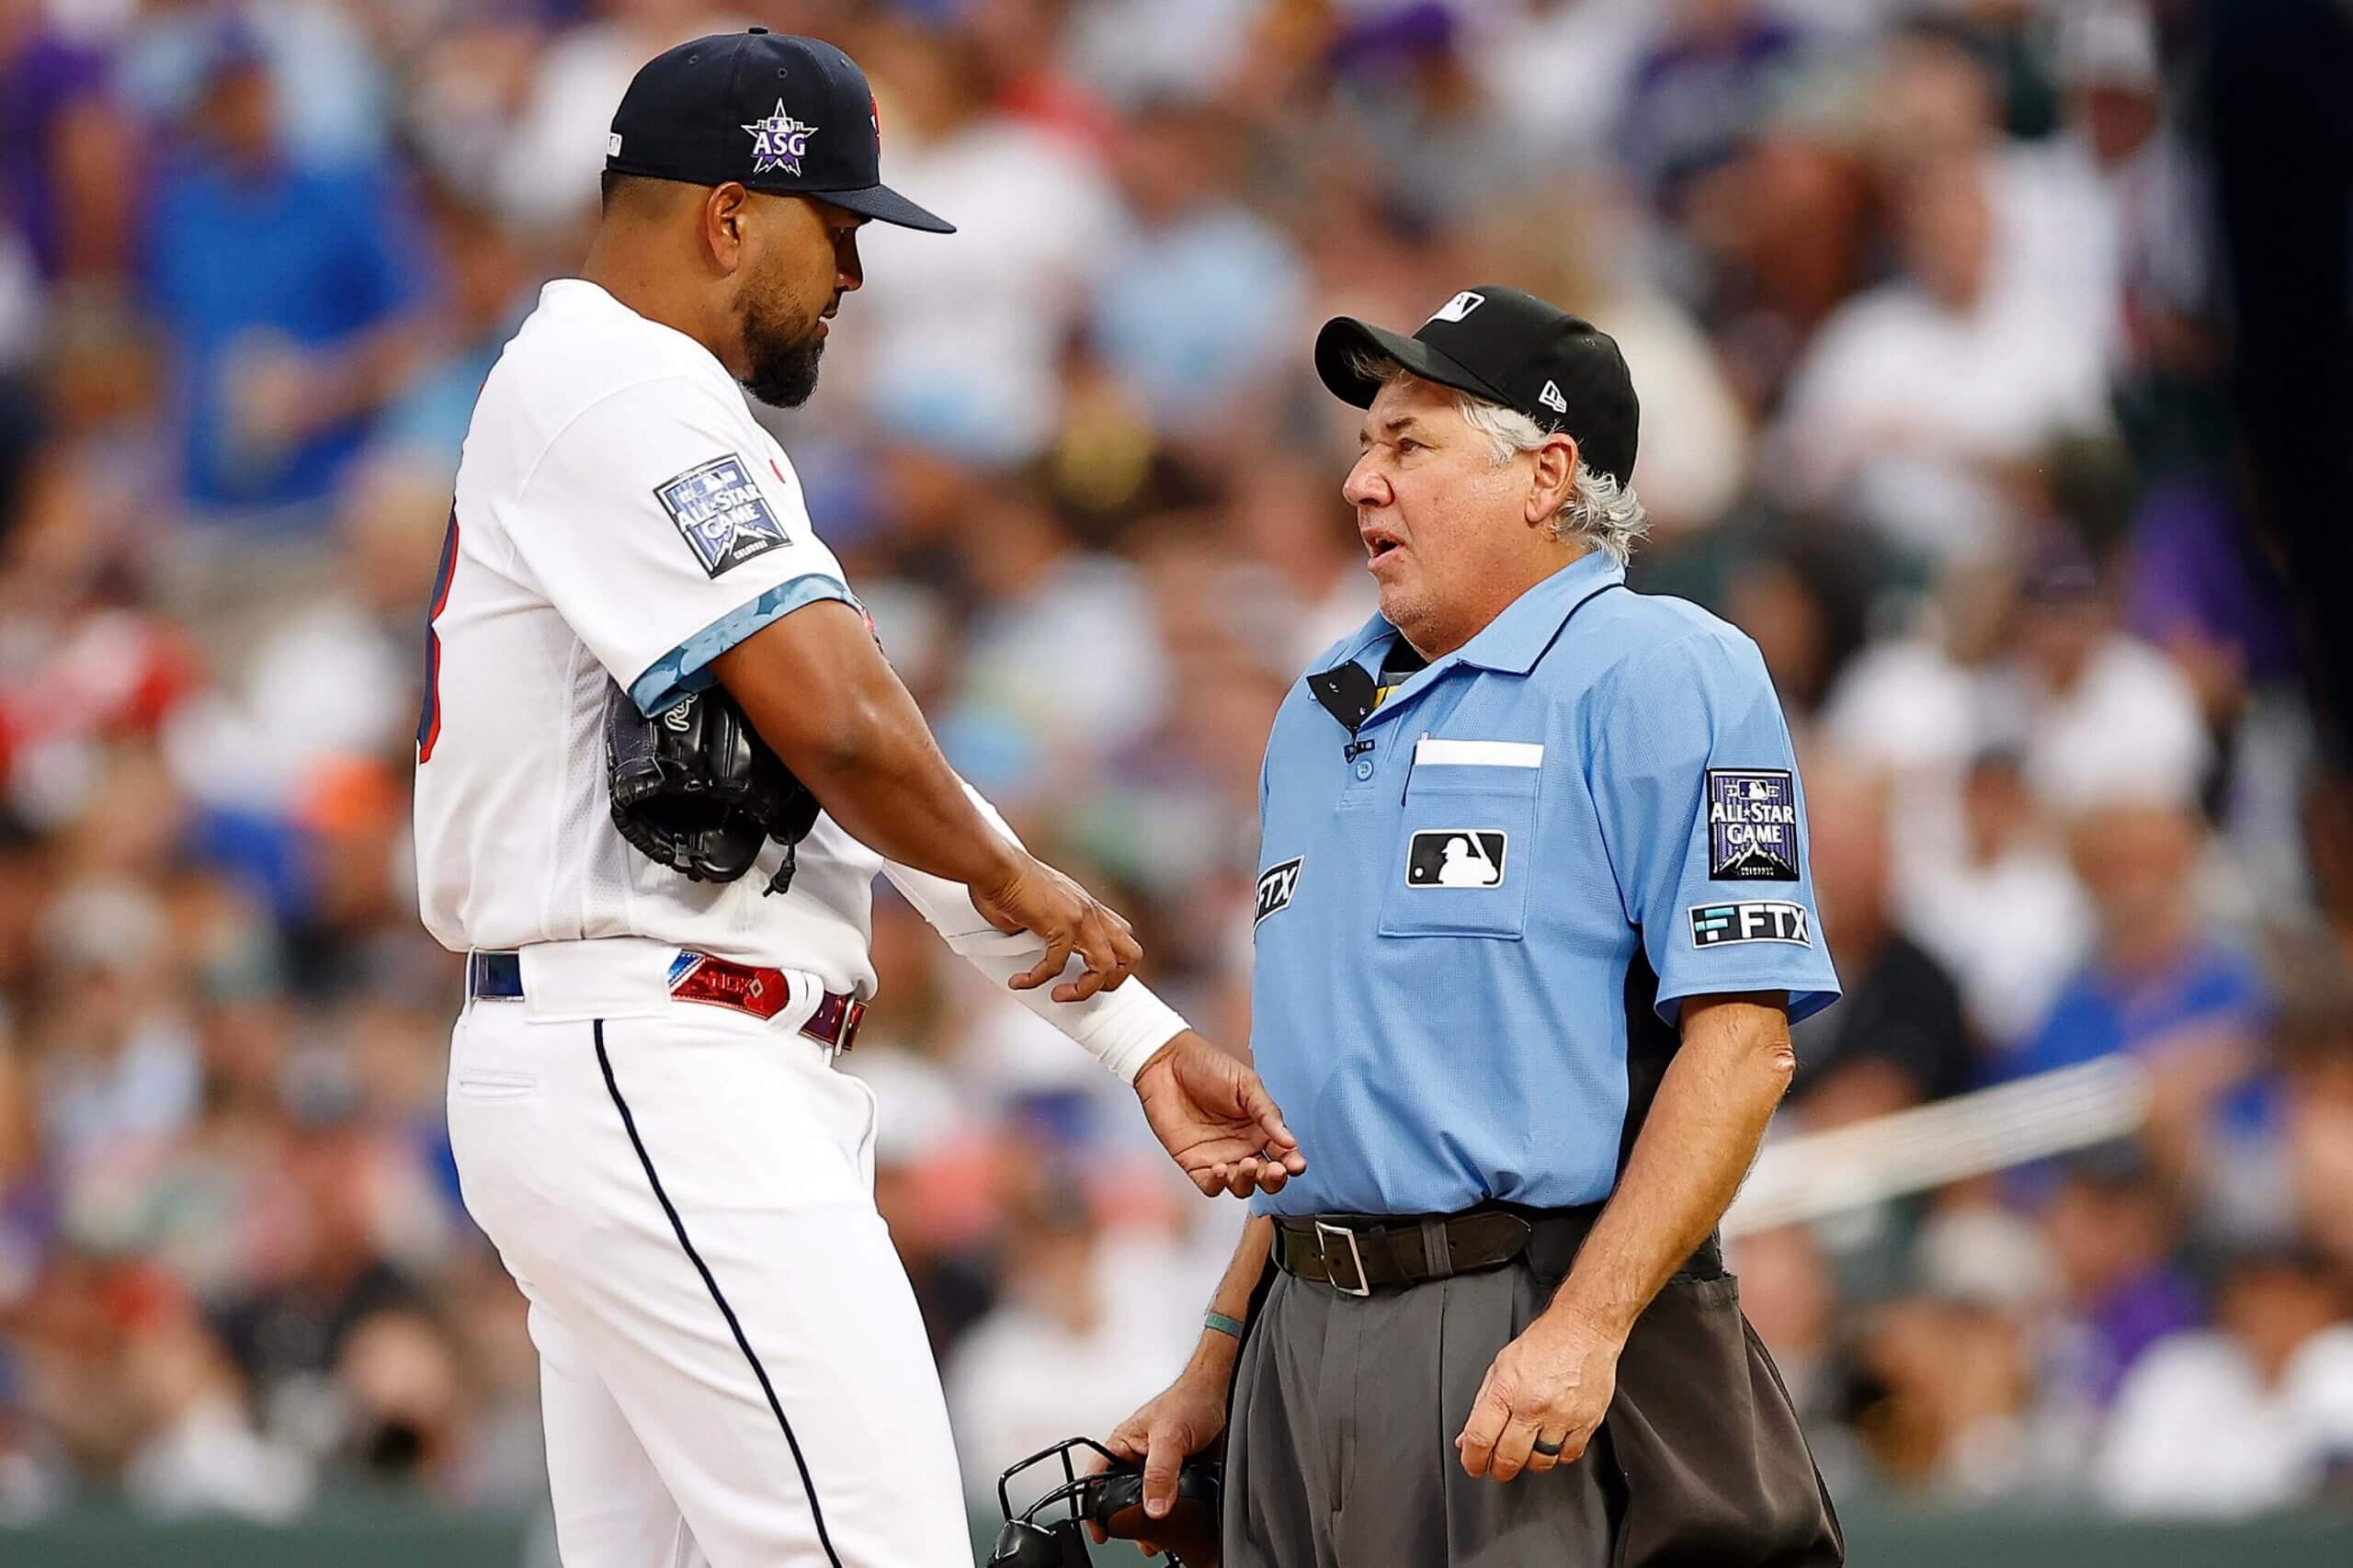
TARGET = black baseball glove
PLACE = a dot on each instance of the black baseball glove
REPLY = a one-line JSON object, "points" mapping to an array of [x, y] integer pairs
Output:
{"points": [[696, 788]]}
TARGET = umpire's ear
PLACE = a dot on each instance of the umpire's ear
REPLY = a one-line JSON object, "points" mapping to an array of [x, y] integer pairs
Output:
{"points": [[1553, 480]]}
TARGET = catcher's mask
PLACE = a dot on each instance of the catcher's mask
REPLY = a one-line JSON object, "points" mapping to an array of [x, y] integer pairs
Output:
{"points": [[1111, 1498]]}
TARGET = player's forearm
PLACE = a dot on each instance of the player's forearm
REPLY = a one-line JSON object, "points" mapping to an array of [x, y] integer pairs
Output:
{"points": [[1695, 1148], [820, 692]]}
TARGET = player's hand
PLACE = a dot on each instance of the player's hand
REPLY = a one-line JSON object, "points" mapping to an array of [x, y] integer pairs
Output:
{"points": [[1213, 1115], [1179, 1423], [1555, 1383], [1035, 897]]}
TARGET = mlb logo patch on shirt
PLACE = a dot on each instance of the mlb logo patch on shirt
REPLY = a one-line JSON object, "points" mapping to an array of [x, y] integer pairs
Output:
{"points": [[722, 514], [1762, 920], [1456, 857], [1752, 824]]}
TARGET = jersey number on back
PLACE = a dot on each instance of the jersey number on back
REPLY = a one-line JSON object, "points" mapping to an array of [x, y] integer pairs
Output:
{"points": [[428, 722]]}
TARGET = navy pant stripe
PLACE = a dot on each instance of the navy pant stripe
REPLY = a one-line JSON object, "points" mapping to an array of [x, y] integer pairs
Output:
{"points": [[711, 1284]]}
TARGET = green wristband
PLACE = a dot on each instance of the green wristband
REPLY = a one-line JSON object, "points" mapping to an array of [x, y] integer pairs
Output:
{"points": [[1223, 1324]]}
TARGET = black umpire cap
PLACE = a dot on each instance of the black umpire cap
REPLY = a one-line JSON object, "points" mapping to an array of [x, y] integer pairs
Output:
{"points": [[772, 111], [1510, 348]]}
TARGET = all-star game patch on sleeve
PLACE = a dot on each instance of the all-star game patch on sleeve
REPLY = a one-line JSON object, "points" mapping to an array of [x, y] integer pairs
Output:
{"points": [[665, 527], [1704, 816], [721, 514], [1752, 824]]}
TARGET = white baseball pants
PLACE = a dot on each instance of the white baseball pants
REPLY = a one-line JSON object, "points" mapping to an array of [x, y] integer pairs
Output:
{"points": [[733, 1369]]}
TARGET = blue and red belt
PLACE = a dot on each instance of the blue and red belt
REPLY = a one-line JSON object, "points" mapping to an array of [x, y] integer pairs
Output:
{"points": [[699, 977]]}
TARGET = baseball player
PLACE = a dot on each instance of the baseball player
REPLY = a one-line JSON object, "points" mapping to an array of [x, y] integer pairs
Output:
{"points": [[639, 646]]}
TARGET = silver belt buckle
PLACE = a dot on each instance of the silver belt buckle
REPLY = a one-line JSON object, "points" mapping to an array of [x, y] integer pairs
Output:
{"points": [[1323, 1234]]}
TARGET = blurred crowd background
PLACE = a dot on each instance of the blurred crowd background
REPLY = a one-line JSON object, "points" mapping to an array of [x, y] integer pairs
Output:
{"points": [[1922, 302]]}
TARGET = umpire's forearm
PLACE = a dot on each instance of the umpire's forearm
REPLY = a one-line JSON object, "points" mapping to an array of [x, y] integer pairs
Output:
{"points": [[1215, 1354], [1695, 1147], [820, 692]]}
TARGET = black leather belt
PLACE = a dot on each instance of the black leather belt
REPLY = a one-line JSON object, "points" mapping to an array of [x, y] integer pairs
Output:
{"points": [[697, 977], [1359, 1254]]}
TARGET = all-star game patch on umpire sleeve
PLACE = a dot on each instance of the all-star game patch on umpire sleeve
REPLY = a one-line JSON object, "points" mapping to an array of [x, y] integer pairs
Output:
{"points": [[1703, 814], [665, 527]]}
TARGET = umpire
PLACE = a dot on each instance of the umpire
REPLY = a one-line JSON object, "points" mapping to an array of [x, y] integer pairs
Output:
{"points": [[1533, 922]]}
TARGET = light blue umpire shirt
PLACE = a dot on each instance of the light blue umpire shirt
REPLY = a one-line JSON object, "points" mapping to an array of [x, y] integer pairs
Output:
{"points": [[1482, 899]]}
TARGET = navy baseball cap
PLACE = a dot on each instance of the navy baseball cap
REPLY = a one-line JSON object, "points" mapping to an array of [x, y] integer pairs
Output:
{"points": [[1506, 347], [772, 111]]}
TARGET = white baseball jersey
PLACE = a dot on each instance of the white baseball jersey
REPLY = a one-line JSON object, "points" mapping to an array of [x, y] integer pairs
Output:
{"points": [[619, 516]]}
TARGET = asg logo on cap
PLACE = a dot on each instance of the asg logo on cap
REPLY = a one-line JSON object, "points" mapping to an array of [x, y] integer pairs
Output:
{"points": [[778, 142], [1462, 305]]}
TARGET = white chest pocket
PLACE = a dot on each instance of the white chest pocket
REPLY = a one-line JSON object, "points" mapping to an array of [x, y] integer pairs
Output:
{"points": [[1465, 850]]}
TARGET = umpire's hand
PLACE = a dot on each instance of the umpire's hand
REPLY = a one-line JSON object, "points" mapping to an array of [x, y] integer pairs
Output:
{"points": [[1033, 896], [1545, 1393], [1213, 1115], [1180, 1421]]}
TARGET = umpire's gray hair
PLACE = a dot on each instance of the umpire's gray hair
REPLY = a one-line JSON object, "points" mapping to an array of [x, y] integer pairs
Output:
{"points": [[1605, 514]]}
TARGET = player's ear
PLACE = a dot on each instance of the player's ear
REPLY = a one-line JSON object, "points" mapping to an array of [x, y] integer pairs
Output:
{"points": [[726, 215], [1554, 478]]}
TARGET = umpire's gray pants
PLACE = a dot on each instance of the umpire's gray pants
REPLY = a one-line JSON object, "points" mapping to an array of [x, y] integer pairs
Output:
{"points": [[1340, 1452]]}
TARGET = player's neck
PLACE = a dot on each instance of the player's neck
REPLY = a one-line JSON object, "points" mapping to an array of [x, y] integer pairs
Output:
{"points": [[622, 269]]}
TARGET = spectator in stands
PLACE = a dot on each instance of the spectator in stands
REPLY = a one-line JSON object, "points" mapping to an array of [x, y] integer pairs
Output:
{"points": [[2162, 988], [290, 293], [197, 1450], [65, 148], [1699, 88], [2098, 714], [489, 288], [2111, 1231], [963, 350], [1898, 1037], [545, 174], [2316, 1059], [1067, 1351], [2246, 1416], [1998, 904], [1946, 1403], [1039, 592], [288, 1327], [406, 1401], [1915, 396], [1192, 301]]}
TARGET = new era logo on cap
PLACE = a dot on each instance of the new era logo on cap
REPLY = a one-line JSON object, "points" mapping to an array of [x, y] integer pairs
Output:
{"points": [[1551, 398]]}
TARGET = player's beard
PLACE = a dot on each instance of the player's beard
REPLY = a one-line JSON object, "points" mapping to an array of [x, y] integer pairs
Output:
{"points": [[783, 359]]}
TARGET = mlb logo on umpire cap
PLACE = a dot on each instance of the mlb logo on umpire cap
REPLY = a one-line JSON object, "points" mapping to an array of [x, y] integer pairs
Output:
{"points": [[1462, 305]]}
